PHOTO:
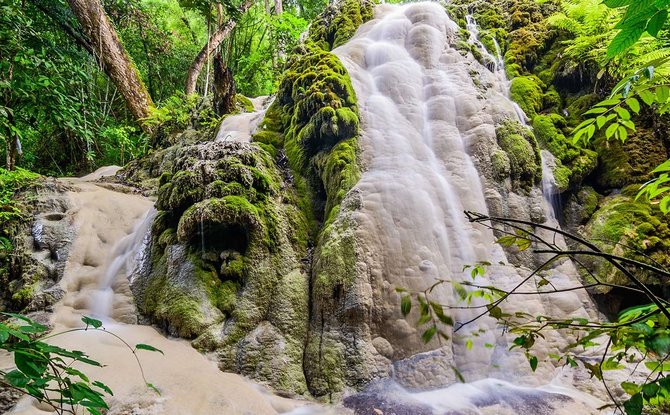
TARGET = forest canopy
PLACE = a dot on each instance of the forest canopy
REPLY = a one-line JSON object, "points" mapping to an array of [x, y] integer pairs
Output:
{"points": [[65, 111]]}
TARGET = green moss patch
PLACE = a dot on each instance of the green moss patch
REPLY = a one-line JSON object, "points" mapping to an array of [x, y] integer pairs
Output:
{"points": [[629, 228], [525, 164]]}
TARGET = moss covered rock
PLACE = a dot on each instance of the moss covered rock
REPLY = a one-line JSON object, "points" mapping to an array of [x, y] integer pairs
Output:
{"points": [[527, 92], [227, 238], [622, 164], [339, 22], [629, 228], [520, 146]]}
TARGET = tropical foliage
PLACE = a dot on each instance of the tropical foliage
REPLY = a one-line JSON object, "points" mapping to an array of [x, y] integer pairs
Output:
{"points": [[51, 373]]}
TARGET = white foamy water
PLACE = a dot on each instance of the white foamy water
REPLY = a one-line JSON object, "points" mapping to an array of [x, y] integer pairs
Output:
{"points": [[240, 127], [421, 116], [127, 256], [496, 60]]}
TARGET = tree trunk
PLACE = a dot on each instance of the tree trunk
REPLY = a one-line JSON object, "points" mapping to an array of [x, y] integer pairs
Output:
{"points": [[12, 144], [224, 87], [209, 48], [113, 57], [279, 7]]}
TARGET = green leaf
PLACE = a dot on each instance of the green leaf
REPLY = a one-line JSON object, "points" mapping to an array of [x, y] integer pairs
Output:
{"points": [[103, 387], [623, 113], [633, 104], [624, 39], [611, 130], [665, 166], [622, 133], [153, 388], [601, 120], [142, 346], [650, 390], [662, 94], [656, 22], [459, 375], [405, 305], [596, 110], [16, 378], [631, 388], [533, 363], [428, 335], [647, 96], [460, 290], [91, 322], [509, 240], [495, 311], [633, 406], [468, 344]]}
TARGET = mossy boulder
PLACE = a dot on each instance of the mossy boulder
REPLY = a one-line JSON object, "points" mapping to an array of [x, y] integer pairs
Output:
{"points": [[631, 228], [527, 92], [227, 239], [520, 146], [622, 164]]}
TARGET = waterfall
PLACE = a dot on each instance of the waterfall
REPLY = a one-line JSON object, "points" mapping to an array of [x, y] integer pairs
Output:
{"points": [[126, 257], [473, 29], [428, 132]]}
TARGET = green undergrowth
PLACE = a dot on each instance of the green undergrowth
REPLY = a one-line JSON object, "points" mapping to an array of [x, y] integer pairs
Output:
{"points": [[13, 210]]}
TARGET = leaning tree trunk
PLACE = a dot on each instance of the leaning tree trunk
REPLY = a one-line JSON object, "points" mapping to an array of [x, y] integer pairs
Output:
{"points": [[212, 43], [224, 87], [112, 56]]}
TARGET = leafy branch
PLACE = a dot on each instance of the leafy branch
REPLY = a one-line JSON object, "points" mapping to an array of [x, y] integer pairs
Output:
{"points": [[639, 331], [46, 372]]}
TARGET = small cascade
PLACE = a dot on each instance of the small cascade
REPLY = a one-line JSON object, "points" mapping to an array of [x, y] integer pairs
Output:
{"points": [[240, 127], [549, 190], [548, 182], [127, 256], [497, 62]]}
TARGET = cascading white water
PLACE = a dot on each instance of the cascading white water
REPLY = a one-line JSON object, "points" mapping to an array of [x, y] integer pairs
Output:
{"points": [[127, 255], [497, 60], [240, 127], [422, 117], [549, 190]]}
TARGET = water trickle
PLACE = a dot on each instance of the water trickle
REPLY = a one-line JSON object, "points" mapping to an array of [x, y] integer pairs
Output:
{"points": [[549, 190], [240, 127], [126, 258], [496, 62]]}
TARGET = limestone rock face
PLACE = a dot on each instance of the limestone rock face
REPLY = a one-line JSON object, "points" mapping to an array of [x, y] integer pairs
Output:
{"points": [[225, 266], [42, 244], [433, 144]]}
